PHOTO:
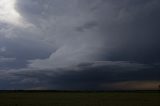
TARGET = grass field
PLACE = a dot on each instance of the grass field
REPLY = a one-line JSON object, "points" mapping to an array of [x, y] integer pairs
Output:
{"points": [[80, 99]]}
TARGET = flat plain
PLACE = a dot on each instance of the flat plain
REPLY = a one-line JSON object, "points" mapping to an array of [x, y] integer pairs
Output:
{"points": [[80, 98]]}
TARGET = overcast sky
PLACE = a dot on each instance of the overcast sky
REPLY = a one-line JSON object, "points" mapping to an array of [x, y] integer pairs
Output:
{"points": [[79, 44]]}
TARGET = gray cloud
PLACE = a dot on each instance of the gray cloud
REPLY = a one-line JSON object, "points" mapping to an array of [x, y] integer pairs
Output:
{"points": [[83, 31], [132, 31], [82, 43], [95, 76], [61, 22], [5, 59]]}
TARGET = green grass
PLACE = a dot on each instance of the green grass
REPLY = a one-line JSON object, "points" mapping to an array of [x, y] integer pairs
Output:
{"points": [[80, 99]]}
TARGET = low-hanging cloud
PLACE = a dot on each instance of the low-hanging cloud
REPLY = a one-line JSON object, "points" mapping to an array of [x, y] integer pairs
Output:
{"points": [[90, 76]]}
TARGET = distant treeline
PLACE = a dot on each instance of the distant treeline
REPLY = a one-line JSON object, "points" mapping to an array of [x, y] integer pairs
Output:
{"points": [[75, 91]]}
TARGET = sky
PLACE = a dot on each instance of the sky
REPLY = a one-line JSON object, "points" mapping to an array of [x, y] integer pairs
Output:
{"points": [[79, 44]]}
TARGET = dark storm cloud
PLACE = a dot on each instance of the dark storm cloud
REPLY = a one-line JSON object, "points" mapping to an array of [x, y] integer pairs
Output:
{"points": [[21, 50], [81, 44], [120, 28], [134, 32], [87, 76]]}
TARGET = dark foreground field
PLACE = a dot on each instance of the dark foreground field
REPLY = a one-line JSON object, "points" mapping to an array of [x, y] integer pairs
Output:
{"points": [[79, 99]]}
